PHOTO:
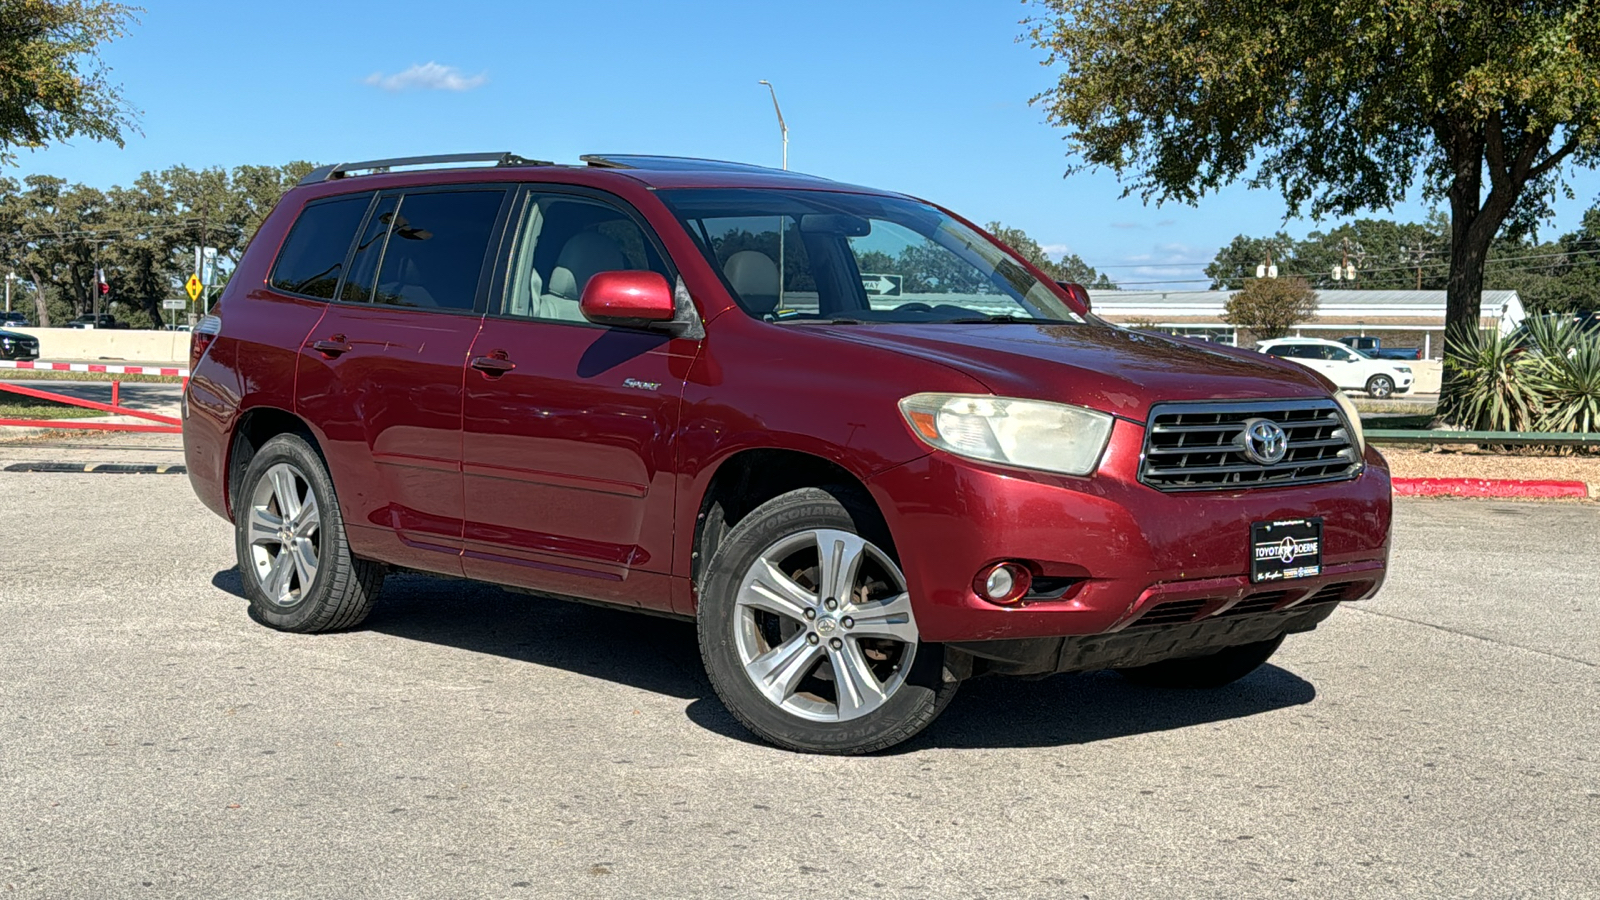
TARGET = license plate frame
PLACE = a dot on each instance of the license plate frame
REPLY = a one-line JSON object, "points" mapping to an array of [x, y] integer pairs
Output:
{"points": [[1285, 549]]}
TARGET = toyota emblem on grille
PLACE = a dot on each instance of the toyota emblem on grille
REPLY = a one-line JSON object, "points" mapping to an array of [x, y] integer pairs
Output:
{"points": [[1265, 442]]}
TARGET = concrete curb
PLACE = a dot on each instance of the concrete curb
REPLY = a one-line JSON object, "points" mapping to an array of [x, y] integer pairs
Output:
{"points": [[1490, 487]]}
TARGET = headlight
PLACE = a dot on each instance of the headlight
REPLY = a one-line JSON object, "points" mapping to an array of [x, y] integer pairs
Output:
{"points": [[1032, 434], [1405, 369], [1354, 419]]}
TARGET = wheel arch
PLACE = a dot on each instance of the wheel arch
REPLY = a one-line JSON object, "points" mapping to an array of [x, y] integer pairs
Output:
{"points": [[255, 427], [750, 477]]}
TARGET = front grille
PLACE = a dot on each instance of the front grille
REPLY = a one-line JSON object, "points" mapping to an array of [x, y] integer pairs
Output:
{"points": [[1255, 603], [1200, 446]]}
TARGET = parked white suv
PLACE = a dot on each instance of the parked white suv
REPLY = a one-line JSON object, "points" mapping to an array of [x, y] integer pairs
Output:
{"points": [[1347, 368]]}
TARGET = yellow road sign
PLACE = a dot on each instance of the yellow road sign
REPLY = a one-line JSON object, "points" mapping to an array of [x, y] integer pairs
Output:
{"points": [[193, 287]]}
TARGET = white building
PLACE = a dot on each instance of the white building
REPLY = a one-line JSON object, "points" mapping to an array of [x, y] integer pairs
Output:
{"points": [[1400, 318]]}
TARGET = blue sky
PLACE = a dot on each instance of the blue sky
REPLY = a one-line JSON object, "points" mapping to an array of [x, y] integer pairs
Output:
{"points": [[929, 98]]}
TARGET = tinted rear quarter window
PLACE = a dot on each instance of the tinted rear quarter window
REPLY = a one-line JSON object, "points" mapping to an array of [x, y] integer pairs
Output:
{"points": [[312, 257]]}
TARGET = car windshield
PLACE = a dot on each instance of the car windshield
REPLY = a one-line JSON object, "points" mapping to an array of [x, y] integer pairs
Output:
{"points": [[807, 256]]}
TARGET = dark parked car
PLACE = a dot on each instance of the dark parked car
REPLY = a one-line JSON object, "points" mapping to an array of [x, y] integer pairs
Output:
{"points": [[13, 319], [870, 452], [89, 320], [18, 346]]}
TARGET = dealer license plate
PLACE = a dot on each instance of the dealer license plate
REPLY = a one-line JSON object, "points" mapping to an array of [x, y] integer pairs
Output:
{"points": [[1287, 548]]}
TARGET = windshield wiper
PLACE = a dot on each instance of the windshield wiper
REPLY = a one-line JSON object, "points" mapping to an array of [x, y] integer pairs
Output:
{"points": [[1001, 319]]}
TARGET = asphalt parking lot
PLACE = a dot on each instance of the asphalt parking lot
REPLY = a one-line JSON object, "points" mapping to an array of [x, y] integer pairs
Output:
{"points": [[1439, 741]]}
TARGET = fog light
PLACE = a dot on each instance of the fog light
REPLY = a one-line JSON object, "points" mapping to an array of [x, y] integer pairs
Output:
{"points": [[1002, 583]]}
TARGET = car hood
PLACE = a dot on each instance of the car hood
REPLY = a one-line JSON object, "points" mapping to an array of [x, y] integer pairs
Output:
{"points": [[1101, 367], [15, 336]]}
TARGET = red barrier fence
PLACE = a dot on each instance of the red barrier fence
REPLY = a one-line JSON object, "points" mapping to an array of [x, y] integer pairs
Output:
{"points": [[168, 424]]}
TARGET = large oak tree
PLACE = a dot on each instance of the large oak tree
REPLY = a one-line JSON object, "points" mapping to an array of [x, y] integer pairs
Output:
{"points": [[52, 84], [1340, 105]]}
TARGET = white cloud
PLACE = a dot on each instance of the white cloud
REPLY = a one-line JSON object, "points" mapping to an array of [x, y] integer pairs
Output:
{"points": [[428, 77], [1056, 251]]}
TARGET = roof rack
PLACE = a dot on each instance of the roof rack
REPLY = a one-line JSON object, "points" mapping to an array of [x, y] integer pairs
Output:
{"points": [[375, 166], [667, 163]]}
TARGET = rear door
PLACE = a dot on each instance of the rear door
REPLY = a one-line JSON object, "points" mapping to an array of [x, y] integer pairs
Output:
{"points": [[568, 425], [381, 373]]}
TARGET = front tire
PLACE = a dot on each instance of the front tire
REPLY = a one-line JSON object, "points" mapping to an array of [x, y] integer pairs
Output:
{"points": [[294, 559], [1380, 387], [1211, 671], [807, 629]]}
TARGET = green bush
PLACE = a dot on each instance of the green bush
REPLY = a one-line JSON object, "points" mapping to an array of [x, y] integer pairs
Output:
{"points": [[1494, 393], [1551, 382], [1565, 373]]}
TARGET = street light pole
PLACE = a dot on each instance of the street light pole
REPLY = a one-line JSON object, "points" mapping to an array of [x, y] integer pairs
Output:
{"points": [[10, 277], [783, 129]]}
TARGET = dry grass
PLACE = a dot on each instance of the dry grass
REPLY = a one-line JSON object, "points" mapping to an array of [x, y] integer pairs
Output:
{"points": [[46, 375]]}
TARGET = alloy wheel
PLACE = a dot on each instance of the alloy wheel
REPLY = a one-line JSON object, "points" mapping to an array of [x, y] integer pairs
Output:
{"points": [[823, 625], [284, 529]]}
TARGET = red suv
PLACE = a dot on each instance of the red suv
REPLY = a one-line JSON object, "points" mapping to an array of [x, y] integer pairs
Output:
{"points": [[867, 448]]}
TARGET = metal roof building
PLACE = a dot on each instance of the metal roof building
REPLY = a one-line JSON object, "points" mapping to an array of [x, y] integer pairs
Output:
{"points": [[1378, 310], [1404, 318]]}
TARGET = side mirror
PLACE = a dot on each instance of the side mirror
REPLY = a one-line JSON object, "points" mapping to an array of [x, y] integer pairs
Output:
{"points": [[1078, 292], [627, 298]]}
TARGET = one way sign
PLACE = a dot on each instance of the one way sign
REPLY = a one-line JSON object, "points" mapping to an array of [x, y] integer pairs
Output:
{"points": [[882, 285]]}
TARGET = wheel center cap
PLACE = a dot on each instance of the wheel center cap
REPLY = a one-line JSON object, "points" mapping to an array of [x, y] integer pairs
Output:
{"points": [[827, 625]]}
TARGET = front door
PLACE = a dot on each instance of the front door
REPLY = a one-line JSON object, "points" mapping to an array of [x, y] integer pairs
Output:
{"points": [[381, 373], [568, 425]]}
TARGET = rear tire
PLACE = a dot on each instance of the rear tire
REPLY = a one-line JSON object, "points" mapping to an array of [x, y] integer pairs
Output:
{"points": [[1380, 387], [804, 587], [294, 559], [1211, 671]]}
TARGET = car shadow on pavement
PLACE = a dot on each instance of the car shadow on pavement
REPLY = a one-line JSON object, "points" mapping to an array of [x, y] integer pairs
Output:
{"points": [[1069, 709], [647, 652], [662, 656]]}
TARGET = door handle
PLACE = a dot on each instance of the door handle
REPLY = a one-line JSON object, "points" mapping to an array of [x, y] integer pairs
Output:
{"points": [[333, 346], [493, 364]]}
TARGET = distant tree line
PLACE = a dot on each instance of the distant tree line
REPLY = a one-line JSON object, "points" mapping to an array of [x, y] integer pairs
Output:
{"points": [[56, 236], [1562, 275]]}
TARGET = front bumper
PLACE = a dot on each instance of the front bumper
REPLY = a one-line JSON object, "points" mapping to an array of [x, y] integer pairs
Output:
{"points": [[1133, 647], [1121, 550]]}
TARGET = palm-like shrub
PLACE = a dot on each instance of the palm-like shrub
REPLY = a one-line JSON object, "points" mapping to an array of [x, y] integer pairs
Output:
{"points": [[1567, 381], [1496, 393]]}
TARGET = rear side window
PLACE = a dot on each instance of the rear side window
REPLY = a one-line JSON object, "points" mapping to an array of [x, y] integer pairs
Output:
{"points": [[436, 249], [312, 259]]}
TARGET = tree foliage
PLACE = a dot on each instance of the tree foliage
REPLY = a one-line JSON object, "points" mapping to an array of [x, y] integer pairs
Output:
{"points": [[1562, 275], [1340, 106], [54, 234], [52, 85], [1269, 307], [1070, 267]]}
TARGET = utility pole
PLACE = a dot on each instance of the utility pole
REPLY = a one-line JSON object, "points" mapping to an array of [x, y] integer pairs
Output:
{"points": [[1344, 269], [10, 277], [1415, 254], [1267, 269]]}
